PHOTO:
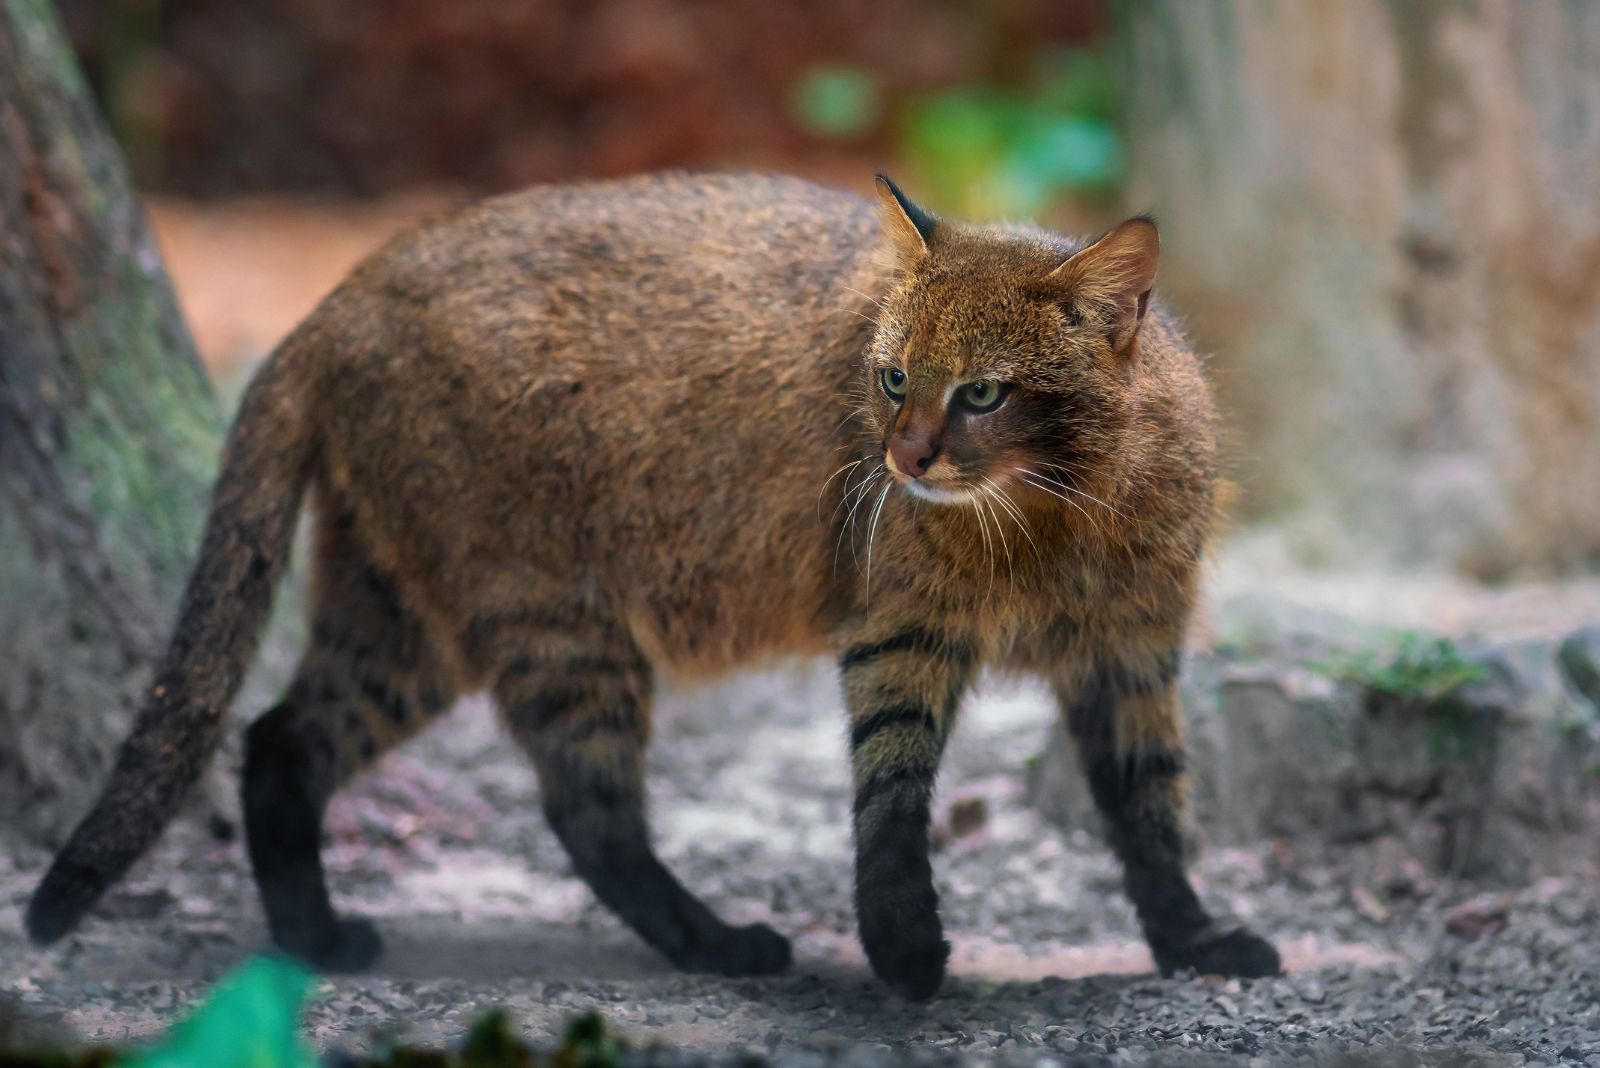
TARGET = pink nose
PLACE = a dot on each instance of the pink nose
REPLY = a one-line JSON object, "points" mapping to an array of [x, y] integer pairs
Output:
{"points": [[912, 455]]}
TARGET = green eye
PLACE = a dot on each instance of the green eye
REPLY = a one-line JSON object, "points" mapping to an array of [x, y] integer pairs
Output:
{"points": [[983, 395], [894, 383]]}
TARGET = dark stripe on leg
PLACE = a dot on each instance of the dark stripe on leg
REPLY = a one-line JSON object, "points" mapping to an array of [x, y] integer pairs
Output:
{"points": [[919, 639], [1115, 780], [586, 731], [543, 711], [902, 783], [1127, 682], [1139, 794], [392, 703], [905, 714]]}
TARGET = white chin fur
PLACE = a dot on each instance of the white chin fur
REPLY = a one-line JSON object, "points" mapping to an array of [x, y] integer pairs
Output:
{"points": [[939, 496]]}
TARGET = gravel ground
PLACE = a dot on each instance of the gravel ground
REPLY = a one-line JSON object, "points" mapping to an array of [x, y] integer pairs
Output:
{"points": [[445, 846]]}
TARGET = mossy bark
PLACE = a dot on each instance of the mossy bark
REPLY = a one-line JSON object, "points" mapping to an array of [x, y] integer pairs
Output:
{"points": [[108, 434]]}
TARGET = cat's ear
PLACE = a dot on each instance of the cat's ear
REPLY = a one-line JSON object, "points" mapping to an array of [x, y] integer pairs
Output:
{"points": [[1109, 282], [908, 227]]}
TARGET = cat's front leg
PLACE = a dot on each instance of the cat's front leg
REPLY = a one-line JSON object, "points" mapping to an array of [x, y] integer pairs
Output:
{"points": [[1124, 714], [902, 682]]}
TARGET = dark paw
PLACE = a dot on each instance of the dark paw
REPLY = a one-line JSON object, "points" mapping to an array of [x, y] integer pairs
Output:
{"points": [[342, 946], [741, 951], [67, 892], [1236, 952], [756, 950], [907, 951]]}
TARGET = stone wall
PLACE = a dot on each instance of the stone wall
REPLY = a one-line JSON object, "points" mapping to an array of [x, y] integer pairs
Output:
{"points": [[1382, 219], [1491, 780]]}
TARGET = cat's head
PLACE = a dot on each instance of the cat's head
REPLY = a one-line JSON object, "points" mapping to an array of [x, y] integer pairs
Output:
{"points": [[1004, 357]]}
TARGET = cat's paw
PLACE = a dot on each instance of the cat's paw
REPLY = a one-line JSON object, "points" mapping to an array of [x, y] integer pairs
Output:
{"points": [[756, 950], [1236, 952], [906, 949], [740, 951], [339, 947]]}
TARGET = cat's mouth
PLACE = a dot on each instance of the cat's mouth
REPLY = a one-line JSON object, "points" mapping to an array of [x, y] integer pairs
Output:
{"points": [[940, 494]]}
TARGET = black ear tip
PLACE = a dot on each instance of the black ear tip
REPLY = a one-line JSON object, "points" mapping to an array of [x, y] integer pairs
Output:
{"points": [[923, 220]]}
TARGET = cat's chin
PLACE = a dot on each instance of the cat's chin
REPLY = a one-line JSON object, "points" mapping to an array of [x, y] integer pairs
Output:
{"points": [[939, 494]]}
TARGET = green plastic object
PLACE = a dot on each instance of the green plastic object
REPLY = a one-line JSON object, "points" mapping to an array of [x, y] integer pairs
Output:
{"points": [[251, 1020]]}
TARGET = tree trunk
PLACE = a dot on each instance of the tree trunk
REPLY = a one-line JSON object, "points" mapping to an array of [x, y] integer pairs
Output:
{"points": [[1383, 218], [108, 433]]}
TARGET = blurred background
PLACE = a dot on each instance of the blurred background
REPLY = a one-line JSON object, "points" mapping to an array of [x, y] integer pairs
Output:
{"points": [[1380, 219]]}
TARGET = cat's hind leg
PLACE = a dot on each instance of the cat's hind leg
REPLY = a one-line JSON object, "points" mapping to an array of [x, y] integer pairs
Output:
{"points": [[366, 683], [576, 696]]}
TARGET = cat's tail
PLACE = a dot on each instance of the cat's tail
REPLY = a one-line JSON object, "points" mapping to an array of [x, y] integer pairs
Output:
{"points": [[255, 503]]}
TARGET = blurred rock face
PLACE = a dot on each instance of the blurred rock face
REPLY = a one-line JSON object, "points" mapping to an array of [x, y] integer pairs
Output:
{"points": [[1382, 218]]}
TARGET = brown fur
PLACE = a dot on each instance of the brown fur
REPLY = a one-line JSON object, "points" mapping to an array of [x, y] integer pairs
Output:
{"points": [[577, 439]]}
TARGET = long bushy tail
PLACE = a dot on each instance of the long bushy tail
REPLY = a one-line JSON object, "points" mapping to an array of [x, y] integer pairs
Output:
{"points": [[253, 511]]}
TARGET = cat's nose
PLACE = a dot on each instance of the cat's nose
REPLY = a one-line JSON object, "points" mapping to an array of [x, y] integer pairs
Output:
{"points": [[912, 454]]}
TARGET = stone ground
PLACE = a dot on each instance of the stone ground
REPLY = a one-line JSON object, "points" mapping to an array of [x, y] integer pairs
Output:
{"points": [[444, 845]]}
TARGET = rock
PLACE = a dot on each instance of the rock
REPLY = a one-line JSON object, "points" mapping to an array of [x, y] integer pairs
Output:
{"points": [[1485, 914], [1579, 660], [1368, 904], [1484, 779], [967, 816]]}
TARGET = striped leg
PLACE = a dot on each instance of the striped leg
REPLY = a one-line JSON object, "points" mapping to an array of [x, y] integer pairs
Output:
{"points": [[902, 687], [367, 683], [1127, 724], [582, 715]]}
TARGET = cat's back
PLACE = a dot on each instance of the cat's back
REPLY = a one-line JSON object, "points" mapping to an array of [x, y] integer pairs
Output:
{"points": [[675, 244], [634, 285]]}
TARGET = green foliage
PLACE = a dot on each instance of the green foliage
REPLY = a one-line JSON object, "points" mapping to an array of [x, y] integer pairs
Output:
{"points": [[493, 1043], [988, 151], [251, 1020], [835, 101], [1412, 666], [588, 1043]]}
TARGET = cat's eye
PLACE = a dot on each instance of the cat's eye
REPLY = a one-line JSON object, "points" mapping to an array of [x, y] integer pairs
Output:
{"points": [[894, 383], [984, 395]]}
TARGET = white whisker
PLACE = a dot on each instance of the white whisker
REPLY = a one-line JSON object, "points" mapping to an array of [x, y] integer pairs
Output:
{"points": [[1011, 569], [860, 491], [872, 529], [1016, 513], [1080, 492], [1011, 507], [858, 315], [1047, 488], [868, 297], [830, 478], [857, 414], [988, 546], [849, 489]]}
